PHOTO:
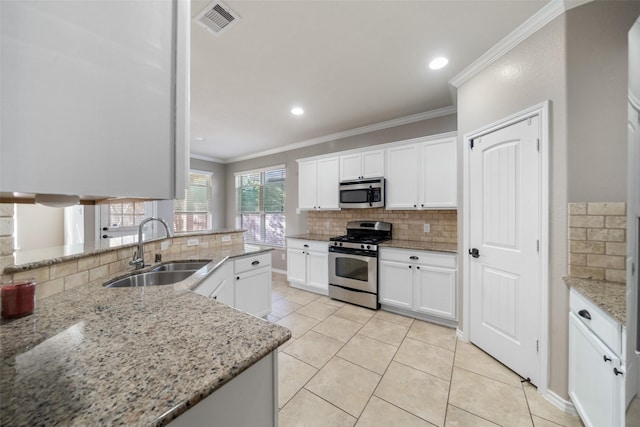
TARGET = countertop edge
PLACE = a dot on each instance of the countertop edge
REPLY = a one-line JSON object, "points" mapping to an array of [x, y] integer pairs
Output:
{"points": [[394, 243], [608, 296]]}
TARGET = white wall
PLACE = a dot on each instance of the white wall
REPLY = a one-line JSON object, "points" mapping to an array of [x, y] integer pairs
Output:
{"points": [[38, 227]]}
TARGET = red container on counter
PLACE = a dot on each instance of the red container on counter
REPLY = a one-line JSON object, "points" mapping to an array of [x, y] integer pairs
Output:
{"points": [[18, 298]]}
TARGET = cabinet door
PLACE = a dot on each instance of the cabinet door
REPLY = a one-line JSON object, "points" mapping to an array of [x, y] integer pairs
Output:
{"points": [[373, 164], [396, 284], [439, 176], [436, 291], [328, 180], [94, 105], [318, 271], [594, 388], [296, 265], [253, 292], [225, 293], [402, 177], [350, 167], [222, 274], [307, 173]]}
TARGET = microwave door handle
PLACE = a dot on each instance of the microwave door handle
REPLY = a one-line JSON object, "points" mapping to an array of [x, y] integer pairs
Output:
{"points": [[370, 196]]}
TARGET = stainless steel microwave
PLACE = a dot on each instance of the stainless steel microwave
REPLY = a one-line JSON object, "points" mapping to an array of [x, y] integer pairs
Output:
{"points": [[362, 193]]}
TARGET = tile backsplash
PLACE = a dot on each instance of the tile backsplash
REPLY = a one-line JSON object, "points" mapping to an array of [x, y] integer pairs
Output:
{"points": [[598, 241], [407, 225]]}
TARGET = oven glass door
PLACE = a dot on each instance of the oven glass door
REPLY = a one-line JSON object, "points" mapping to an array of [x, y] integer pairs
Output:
{"points": [[353, 271]]}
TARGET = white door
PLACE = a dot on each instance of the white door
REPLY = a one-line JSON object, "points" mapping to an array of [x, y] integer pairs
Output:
{"points": [[307, 181], [328, 182], [402, 177], [439, 174], [318, 271], [396, 284], [504, 185], [436, 291]]}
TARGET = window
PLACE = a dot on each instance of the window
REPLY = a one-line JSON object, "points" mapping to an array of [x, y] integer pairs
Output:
{"points": [[121, 217], [194, 212], [260, 197], [126, 214]]}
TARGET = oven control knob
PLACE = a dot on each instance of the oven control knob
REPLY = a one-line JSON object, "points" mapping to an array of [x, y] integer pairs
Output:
{"points": [[340, 243], [361, 246], [368, 246]]}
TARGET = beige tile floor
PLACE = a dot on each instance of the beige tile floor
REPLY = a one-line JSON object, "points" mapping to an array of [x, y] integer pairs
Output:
{"points": [[350, 366]]}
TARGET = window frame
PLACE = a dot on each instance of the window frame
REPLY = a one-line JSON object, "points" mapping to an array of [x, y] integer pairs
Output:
{"points": [[209, 211], [261, 212]]}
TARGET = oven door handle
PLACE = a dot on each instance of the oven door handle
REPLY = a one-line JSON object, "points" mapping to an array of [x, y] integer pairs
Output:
{"points": [[367, 258]]}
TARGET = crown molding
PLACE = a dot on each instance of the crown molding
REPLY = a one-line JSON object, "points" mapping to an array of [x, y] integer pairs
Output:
{"points": [[207, 158], [352, 132], [546, 14]]}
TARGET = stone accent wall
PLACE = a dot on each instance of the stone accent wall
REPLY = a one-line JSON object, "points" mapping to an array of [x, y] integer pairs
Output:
{"points": [[598, 241], [59, 277], [407, 225]]}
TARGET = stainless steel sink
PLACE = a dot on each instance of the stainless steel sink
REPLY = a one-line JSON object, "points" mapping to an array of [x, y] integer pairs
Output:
{"points": [[152, 278], [181, 266]]}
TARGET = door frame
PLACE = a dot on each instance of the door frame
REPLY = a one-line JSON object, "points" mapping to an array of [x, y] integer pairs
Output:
{"points": [[541, 110]]}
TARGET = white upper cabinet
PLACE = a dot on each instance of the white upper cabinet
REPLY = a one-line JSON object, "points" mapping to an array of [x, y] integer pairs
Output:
{"points": [[439, 174], [368, 164], [422, 175], [318, 182], [95, 97]]}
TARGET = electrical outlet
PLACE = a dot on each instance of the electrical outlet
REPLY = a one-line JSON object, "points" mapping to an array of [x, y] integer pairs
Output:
{"points": [[164, 246], [192, 242], [427, 228], [226, 238]]}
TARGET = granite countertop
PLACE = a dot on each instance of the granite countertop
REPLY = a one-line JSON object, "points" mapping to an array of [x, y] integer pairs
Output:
{"points": [[318, 237], [130, 356], [422, 246], [395, 243], [609, 296]]}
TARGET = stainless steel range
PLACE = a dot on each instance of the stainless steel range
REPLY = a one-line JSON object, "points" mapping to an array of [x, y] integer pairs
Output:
{"points": [[353, 262]]}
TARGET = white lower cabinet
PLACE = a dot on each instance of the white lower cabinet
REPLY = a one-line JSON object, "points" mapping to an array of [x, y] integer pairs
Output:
{"points": [[418, 282], [308, 265], [243, 283], [250, 399], [596, 371]]}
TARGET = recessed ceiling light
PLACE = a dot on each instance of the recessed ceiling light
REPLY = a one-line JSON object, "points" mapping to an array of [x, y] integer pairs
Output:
{"points": [[438, 63], [297, 111]]}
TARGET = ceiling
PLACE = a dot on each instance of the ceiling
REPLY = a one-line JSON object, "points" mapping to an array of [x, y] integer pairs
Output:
{"points": [[347, 63]]}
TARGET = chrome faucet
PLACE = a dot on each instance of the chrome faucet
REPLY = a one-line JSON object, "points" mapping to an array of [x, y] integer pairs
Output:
{"points": [[138, 256]]}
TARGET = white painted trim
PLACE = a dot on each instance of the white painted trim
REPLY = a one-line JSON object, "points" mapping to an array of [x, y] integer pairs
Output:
{"points": [[260, 170], [440, 112], [633, 100], [560, 403], [206, 158], [384, 146], [542, 110], [546, 14], [462, 336], [277, 270]]}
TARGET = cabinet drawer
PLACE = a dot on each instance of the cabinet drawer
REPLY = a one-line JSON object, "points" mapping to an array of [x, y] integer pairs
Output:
{"points": [[252, 262], [433, 259], [308, 245], [603, 325]]}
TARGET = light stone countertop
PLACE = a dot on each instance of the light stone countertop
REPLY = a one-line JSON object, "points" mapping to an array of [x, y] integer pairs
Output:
{"points": [[127, 356], [609, 296], [394, 243]]}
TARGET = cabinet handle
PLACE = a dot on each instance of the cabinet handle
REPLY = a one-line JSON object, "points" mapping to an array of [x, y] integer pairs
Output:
{"points": [[422, 205], [617, 372], [606, 359], [418, 267], [306, 246], [256, 262], [238, 278], [413, 257], [216, 297], [410, 267], [585, 314], [415, 206]]}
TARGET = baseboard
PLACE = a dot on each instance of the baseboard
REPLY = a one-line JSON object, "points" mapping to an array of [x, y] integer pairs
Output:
{"points": [[461, 335], [277, 270], [560, 403]]}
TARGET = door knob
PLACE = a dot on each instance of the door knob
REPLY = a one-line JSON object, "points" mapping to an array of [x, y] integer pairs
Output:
{"points": [[474, 253]]}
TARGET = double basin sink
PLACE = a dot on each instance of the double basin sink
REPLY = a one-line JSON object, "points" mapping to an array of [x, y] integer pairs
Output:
{"points": [[164, 274]]}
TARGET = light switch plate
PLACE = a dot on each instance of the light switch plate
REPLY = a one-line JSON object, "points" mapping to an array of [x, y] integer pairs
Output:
{"points": [[427, 228], [192, 242]]}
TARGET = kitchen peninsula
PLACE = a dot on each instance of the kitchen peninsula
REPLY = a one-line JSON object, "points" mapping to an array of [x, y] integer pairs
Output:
{"points": [[136, 356]]}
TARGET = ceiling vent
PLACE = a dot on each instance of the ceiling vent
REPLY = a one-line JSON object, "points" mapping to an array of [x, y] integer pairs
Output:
{"points": [[217, 17]]}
